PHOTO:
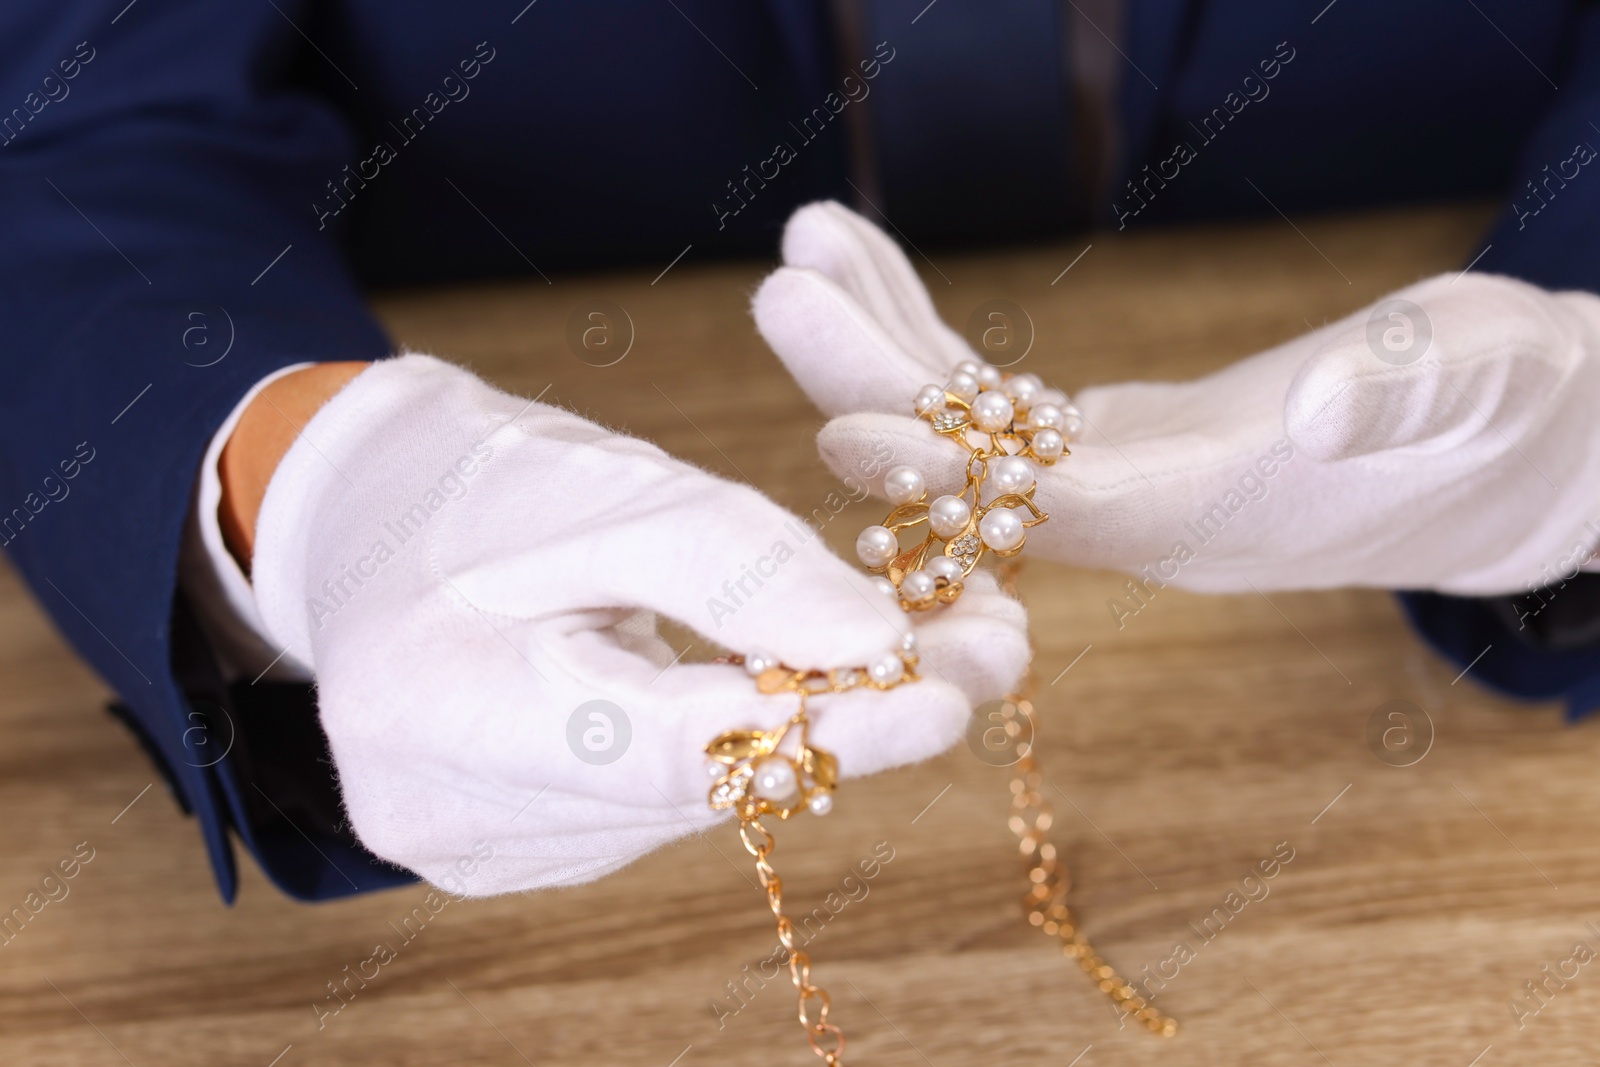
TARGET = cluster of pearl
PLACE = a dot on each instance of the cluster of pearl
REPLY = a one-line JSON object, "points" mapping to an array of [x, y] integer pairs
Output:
{"points": [[750, 769], [776, 779], [1023, 423], [1008, 423], [997, 401]]}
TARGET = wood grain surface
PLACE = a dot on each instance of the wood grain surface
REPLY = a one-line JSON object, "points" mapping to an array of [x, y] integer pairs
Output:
{"points": [[1182, 749]]}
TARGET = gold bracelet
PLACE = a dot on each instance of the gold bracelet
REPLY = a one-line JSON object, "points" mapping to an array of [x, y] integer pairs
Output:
{"points": [[1017, 423]]}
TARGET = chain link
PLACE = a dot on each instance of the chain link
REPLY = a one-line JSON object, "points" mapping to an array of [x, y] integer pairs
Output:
{"points": [[1045, 902], [1049, 882], [826, 1039]]}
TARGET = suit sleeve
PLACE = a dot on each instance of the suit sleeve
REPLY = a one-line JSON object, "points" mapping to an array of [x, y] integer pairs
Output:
{"points": [[1542, 643], [157, 170]]}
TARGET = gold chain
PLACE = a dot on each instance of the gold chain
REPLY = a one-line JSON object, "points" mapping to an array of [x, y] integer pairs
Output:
{"points": [[738, 756], [826, 1039], [1049, 882]]}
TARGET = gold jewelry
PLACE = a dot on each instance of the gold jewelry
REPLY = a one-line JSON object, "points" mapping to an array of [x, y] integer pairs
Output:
{"points": [[757, 772], [1018, 423], [757, 777], [1049, 882], [961, 527]]}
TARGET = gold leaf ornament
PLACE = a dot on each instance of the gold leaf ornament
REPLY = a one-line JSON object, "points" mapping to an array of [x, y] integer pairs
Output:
{"points": [[737, 746], [821, 766]]}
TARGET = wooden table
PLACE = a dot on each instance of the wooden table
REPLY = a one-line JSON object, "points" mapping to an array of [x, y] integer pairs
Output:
{"points": [[1182, 748]]}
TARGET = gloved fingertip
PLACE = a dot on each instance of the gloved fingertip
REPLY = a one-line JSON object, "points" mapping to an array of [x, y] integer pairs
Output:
{"points": [[840, 356], [771, 305], [980, 643], [872, 731], [867, 446], [813, 234], [799, 602], [866, 263]]}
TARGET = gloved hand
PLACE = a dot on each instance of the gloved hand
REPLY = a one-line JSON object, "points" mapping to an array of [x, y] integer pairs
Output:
{"points": [[1467, 461], [464, 571]]}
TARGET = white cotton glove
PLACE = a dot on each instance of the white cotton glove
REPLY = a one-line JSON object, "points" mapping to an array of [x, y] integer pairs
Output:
{"points": [[1468, 464], [463, 570]]}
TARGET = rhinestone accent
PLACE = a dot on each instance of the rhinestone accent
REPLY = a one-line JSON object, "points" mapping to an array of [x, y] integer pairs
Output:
{"points": [[729, 792], [964, 550]]}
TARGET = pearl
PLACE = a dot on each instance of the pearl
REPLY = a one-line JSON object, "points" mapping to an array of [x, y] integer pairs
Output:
{"points": [[1052, 396], [918, 587], [1011, 474], [886, 669], [1001, 529], [908, 643], [947, 515], [1048, 444], [877, 545], [992, 412], [1046, 416], [968, 366], [1072, 422], [929, 398], [963, 385], [821, 802], [902, 485], [775, 779], [757, 661], [886, 587], [1023, 391], [988, 377], [944, 567]]}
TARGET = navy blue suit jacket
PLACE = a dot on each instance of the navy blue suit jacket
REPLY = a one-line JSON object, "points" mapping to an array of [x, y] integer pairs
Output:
{"points": [[184, 179]]}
